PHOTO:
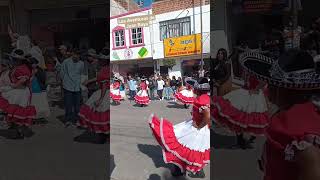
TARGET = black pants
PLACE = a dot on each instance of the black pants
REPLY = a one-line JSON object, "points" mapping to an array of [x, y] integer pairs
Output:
{"points": [[160, 92]]}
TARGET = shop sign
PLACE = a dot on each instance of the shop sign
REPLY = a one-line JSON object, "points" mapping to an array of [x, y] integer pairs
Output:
{"points": [[137, 21], [182, 46], [258, 6]]}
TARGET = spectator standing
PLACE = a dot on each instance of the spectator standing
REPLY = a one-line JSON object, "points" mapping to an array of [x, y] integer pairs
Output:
{"points": [[152, 87], [160, 87], [70, 72], [132, 87], [167, 89]]}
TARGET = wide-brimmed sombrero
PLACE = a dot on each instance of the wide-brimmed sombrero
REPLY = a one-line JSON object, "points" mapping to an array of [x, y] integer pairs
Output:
{"points": [[294, 69], [18, 54], [190, 81], [202, 85]]}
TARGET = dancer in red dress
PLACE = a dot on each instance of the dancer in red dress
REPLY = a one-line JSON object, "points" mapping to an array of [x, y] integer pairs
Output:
{"points": [[243, 110], [115, 91], [292, 148], [95, 113], [187, 144], [142, 96], [185, 95], [15, 101]]}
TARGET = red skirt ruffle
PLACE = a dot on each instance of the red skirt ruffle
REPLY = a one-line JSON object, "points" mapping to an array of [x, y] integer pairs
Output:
{"points": [[238, 121], [116, 98], [184, 99], [17, 114], [98, 122], [173, 151], [142, 100]]}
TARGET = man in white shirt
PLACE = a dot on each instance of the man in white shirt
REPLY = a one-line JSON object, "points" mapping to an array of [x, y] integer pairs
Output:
{"points": [[160, 85]]}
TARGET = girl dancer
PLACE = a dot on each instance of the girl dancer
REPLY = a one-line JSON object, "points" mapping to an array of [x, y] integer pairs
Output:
{"points": [[16, 100], [222, 72], [95, 113], [292, 148], [115, 91], [185, 95], [243, 111], [142, 97], [187, 144]]}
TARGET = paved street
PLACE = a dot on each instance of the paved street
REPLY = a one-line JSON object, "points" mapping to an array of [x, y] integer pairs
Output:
{"points": [[136, 154], [51, 154]]}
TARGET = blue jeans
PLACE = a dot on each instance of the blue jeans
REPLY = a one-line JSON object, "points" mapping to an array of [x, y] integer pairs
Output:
{"points": [[132, 94], [72, 102], [167, 92]]}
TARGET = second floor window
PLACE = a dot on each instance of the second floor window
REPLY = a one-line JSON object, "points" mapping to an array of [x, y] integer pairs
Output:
{"points": [[175, 28], [119, 38], [136, 36]]}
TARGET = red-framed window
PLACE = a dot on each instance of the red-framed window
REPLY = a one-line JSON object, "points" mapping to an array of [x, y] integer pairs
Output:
{"points": [[119, 38], [136, 37]]}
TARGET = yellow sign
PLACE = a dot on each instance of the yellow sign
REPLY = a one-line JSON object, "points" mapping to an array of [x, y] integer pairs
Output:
{"points": [[182, 46]]}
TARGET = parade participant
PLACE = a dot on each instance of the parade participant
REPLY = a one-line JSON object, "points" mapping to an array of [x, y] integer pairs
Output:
{"points": [[4, 73], [15, 101], [115, 91], [95, 113], [38, 89], [142, 97], [187, 144], [185, 95], [243, 111], [293, 135], [222, 73]]}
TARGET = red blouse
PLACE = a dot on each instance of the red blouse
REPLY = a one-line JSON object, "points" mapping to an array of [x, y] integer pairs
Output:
{"points": [[116, 85], [143, 85], [20, 72], [289, 132], [200, 103], [103, 77], [252, 83]]}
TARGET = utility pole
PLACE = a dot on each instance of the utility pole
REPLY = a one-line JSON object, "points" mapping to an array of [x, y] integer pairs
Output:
{"points": [[202, 62]]}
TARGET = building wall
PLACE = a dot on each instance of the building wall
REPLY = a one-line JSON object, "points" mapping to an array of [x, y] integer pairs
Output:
{"points": [[166, 6], [158, 45], [121, 52]]}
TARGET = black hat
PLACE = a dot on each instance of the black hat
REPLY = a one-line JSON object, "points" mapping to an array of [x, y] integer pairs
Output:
{"points": [[190, 81], [202, 85], [294, 69], [104, 55], [17, 54]]}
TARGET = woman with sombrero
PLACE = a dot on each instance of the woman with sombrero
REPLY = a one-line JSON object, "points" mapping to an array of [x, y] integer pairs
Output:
{"points": [[185, 95], [115, 91], [243, 110], [16, 100], [142, 97], [292, 148], [187, 144], [95, 113]]}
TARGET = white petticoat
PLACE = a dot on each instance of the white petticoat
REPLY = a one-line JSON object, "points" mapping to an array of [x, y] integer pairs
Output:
{"points": [[104, 106], [187, 93], [191, 137], [243, 101], [115, 91], [40, 101], [123, 94], [17, 96], [142, 93]]}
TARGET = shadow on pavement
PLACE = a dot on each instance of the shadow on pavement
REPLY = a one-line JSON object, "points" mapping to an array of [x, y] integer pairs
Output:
{"points": [[112, 164], [155, 153], [176, 106], [222, 142], [59, 104], [154, 177], [61, 118], [114, 103]]}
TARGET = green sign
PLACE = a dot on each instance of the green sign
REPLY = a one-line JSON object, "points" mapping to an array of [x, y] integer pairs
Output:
{"points": [[143, 52]]}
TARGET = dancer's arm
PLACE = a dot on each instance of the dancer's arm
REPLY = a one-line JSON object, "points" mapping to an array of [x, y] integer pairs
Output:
{"points": [[207, 117], [308, 162]]}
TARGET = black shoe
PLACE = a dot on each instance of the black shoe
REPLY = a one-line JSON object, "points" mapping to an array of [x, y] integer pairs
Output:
{"points": [[177, 172], [14, 134], [26, 131], [99, 138], [186, 106], [252, 139], [84, 137], [67, 124], [199, 174]]}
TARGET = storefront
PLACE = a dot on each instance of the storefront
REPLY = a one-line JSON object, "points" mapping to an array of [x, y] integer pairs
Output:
{"points": [[143, 67]]}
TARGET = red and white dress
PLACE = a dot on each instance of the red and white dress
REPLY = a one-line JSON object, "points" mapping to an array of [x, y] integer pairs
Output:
{"points": [[142, 96], [115, 92], [15, 102], [185, 96], [241, 111], [288, 133], [97, 118], [184, 145]]}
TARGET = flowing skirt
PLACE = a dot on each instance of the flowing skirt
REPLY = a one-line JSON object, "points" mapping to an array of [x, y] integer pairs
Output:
{"points": [[183, 145], [142, 97], [115, 95], [96, 118], [242, 112], [15, 103], [185, 96]]}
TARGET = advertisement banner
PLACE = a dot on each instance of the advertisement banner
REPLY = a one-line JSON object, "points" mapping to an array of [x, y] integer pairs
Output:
{"points": [[182, 46]]}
